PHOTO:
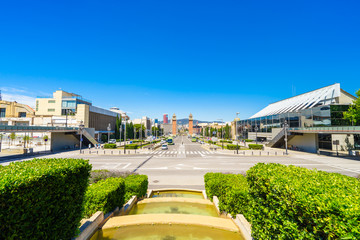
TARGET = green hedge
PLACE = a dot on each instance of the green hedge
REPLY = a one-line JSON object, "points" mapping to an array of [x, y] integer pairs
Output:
{"points": [[211, 142], [226, 141], [231, 189], [104, 195], [42, 198], [132, 146], [232, 146], [297, 203], [110, 145], [135, 185], [256, 146], [248, 140]]}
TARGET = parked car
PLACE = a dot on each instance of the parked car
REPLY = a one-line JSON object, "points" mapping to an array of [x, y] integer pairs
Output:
{"points": [[164, 147], [112, 141]]}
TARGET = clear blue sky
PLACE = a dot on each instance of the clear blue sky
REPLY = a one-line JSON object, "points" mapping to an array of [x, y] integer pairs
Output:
{"points": [[210, 58]]}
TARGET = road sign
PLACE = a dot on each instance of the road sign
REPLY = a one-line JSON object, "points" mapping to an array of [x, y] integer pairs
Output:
{"points": [[81, 140]]}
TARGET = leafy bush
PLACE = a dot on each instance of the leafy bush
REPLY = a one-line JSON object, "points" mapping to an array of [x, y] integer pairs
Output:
{"points": [[226, 141], [248, 140], [105, 195], [231, 189], [42, 198], [232, 146], [132, 146], [97, 175], [135, 185], [211, 142], [297, 203], [256, 146], [110, 145]]}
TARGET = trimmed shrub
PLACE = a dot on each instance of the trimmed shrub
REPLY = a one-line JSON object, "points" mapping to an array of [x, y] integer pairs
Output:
{"points": [[256, 146], [42, 198], [105, 195], [248, 140], [110, 145], [297, 203], [135, 185], [232, 146], [231, 189], [132, 146], [211, 142]]}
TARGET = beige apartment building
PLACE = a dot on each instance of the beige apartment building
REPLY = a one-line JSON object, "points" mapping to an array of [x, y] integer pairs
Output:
{"points": [[15, 114]]}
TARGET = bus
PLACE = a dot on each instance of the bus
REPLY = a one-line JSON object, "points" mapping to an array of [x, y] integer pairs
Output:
{"points": [[170, 141], [193, 139]]}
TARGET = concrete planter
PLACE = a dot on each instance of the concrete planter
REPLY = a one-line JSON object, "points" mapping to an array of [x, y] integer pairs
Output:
{"points": [[91, 225]]}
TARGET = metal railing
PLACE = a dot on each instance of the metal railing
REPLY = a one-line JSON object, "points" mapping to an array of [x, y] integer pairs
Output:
{"points": [[328, 129], [36, 128]]}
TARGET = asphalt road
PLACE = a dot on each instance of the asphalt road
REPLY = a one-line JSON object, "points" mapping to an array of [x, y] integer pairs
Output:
{"points": [[184, 164]]}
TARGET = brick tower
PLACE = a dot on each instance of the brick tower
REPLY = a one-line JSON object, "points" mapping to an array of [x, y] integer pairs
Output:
{"points": [[191, 131], [174, 128]]}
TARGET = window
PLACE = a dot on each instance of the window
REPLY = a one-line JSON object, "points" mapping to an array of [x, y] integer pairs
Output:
{"points": [[68, 104], [37, 105], [22, 114], [2, 112], [51, 101], [51, 109]]}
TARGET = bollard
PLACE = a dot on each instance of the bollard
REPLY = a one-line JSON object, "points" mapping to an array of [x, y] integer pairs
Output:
{"points": [[252, 152], [268, 153], [244, 153], [275, 153], [97, 152], [260, 153], [119, 152], [104, 152], [129, 152], [111, 152]]}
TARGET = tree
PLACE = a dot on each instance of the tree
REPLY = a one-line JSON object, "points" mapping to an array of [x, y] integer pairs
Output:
{"points": [[131, 131], [26, 140], [137, 130], [154, 130], [12, 137], [117, 127], [353, 113]]}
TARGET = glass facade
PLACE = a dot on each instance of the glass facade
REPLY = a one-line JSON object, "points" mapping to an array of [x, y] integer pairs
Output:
{"points": [[320, 116]]}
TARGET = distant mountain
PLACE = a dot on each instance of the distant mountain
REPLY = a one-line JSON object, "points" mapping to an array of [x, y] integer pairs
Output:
{"points": [[185, 121]]}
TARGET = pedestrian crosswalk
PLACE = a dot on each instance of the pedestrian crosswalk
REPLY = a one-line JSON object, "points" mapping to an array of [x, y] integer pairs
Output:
{"points": [[162, 152]]}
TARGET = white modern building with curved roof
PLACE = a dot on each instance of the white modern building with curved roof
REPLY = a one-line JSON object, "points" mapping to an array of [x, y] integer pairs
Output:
{"points": [[322, 108]]}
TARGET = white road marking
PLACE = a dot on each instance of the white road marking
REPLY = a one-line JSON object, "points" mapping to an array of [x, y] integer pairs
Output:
{"points": [[126, 165]]}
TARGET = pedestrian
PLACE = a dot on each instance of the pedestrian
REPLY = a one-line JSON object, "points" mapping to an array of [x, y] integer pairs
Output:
{"points": [[89, 146]]}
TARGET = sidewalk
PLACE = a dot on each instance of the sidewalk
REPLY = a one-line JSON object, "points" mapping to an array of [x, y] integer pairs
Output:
{"points": [[265, 152]]}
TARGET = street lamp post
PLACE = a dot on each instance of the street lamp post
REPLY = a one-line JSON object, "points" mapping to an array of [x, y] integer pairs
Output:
{"points": [[109, 129], [120, 130], [125, 135], [286, 138], [222, 135], [141, 133], [256, 129], [0, 141], [236, 130], [81, 127]]}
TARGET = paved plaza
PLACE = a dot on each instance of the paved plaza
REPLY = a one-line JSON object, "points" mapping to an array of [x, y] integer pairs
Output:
{"points": [[185, 163]]}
